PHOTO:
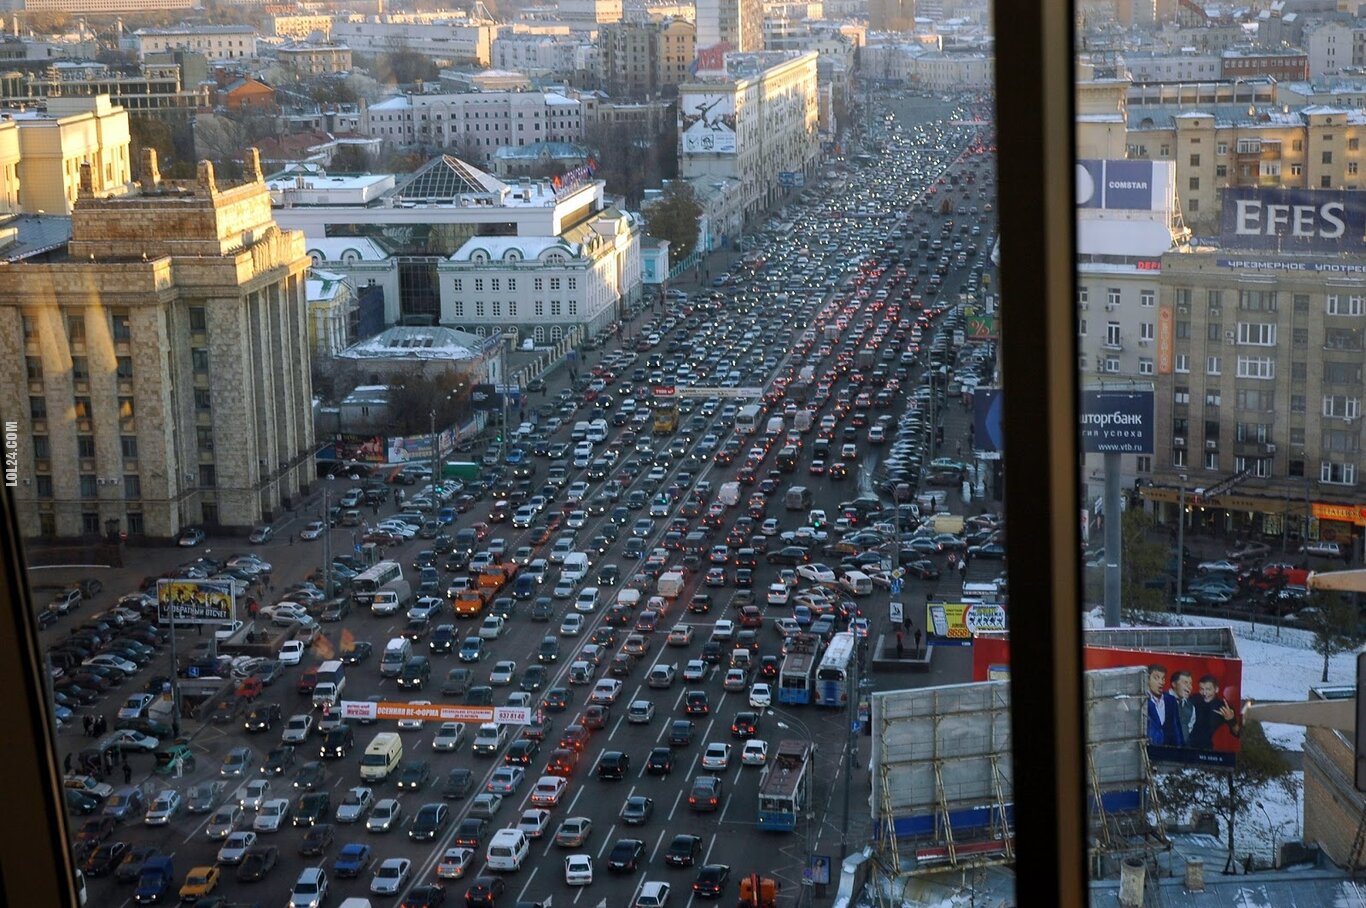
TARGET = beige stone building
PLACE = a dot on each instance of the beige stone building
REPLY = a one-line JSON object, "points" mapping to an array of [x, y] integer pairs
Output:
{"points": [[640, 59], [161, 358], [41, 154], [314, 59]]}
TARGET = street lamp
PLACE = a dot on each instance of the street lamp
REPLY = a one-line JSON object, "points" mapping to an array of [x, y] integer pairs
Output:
{"points": [[1275, 836], [1181, 542]]}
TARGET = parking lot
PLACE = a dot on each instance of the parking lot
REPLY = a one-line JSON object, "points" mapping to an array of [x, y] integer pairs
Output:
{"points": [[842, 310]]}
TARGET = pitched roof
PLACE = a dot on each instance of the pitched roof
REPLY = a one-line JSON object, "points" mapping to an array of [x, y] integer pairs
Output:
{"points": [[446, 178]]}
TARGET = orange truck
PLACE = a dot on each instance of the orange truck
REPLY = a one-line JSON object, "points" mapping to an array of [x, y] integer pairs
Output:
{"points": [[469, 603], [758, 892]]}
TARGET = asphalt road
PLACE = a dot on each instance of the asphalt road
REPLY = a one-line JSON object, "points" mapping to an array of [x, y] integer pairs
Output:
{"points": [[728, 835]]}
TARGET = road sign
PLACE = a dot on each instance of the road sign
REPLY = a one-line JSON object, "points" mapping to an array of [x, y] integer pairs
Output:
{"points": [[895, 612], [856, 726], [896, 586]]}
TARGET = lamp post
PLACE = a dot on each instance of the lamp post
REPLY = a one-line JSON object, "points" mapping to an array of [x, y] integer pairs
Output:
{"points": [[1181, 542], [1275, 836]]}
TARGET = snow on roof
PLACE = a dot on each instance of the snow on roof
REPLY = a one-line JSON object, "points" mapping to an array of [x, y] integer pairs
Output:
{"points": [[398, 102], [410, 342], [323, 286], [528, 247], [552, 98], [337, 248]]}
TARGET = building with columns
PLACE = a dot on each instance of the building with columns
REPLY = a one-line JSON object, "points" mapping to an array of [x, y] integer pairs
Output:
{"points": [[161, 358], [41, 153]]}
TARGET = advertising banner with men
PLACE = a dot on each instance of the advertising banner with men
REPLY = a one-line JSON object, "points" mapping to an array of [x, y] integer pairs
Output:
{"points": [[1192, 713], [1326, 221]]}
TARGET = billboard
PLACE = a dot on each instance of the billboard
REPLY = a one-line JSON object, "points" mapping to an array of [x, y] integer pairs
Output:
{"points": [[1294, 220], [1117, 422], [1192, 710], [707, 122], [987, 433], [485, 397], [1124, 185], [194, 601], [370, 710], [957, 623]]}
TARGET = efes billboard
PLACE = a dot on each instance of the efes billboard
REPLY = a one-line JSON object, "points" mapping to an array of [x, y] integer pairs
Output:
{"points": [[1125, 185], [1294, 220]]}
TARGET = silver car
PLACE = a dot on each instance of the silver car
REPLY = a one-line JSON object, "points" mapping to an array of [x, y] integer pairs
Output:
{"points": [[236, 846], [385, 816], [356, 803], [271, 816], [224, 822]]}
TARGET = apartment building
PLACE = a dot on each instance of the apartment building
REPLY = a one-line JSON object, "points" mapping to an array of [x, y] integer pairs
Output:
{"points": [[560, 57], [165, 87], [455, 40], [476, 122], [162, 358], [217, 42], [738, 24], [307, 59], [640, 59]]}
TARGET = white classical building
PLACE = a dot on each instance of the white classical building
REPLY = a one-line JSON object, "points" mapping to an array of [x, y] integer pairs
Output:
{"points": [[750, 123], [217, 42], [478, 120], [455, 246], [453, 40]]}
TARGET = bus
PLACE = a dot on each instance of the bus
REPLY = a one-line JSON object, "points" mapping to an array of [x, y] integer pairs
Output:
{"points": [[664, 404], [833, 673], [366, 584], [747, 420], [786, 790], [795, 678]]}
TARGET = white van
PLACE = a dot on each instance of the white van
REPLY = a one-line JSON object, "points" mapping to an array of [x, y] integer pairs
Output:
{"points": [[580, 431], [597, 431], [798, 498], [857, 583], [508, 849], [396, 652], [382, 756], [575, 567]]}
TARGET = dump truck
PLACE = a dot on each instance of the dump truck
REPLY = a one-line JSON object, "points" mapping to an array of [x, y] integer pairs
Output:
{"points": [[488, 585]]}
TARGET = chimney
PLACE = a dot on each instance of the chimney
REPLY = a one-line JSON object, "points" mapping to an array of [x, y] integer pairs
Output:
{"points": [[253, 165], [151, 172], [205, 177], [87, 184]]}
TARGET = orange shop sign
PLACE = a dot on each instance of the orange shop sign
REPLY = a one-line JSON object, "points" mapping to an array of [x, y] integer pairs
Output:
{"points": [[1342, 513], [1166, 335]]}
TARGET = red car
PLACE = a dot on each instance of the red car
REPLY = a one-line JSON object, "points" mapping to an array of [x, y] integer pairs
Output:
{"points": [[751, 616]]}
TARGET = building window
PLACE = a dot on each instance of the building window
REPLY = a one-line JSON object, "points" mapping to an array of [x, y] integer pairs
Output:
{"points": [[1353, 144], [1257, 334], [1213, 399], [42, 448], [1348, 305], [81, 407], [1263, 367], [1147, 298], [207, 475], [1257, 300], [132, 486], [1326, 157], [75, 329], [124, 367], [554, 283], [1111, 364], [1297, 436], [1081, 327], [497, 309], [479, 285], [1211, 365], [199, 360], [1325, 182], [30, 327], [1301, 302], [1252, 432], [573, 283], [1299, 337], [1214, 331], [1297, 170], [1145, 366], [1181, 395], [43, 484], [1178, 457], [1297, 403], [1195, 160], [1260, 401], [1341, 339], [1342, 373], [85, 446], [1181, 362], [1147, 331], [512, 308], [204, 437], [539, 307], [1193, 204], [1339, 442], [1336, 473], [1112, 334], [198, 322], [1083, 296], [118, 319], [554, 308], [478, 308], [89, 487], [1195, 184], [34, 367], [203, 399], [1211, 460], [457, 285], [459, 309], [1221, 171], [495, 284], [1143, 463], [1112, 297], [129, 446], [1340, 406], [1183, 296], [573, 307], [1295, 145], [1352, 168], [537, 283], [1183, 330]]}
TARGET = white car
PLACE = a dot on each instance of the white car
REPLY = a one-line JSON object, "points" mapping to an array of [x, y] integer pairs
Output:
{"points": [[755, 753], [391, 876], [291, 652], [223, 823], [716, 757], [694, 670], [398, 528], [492, 628], [413, 724], [384, 816], [816, 573], [314, 529], [355, 804], [503, 672], [109, 660], [787, 627], [448, 736], [724, 629], [235, 848], [578, 870], [297, 729], [454, 862], [135, 705], [778, 594], [760, 696], [166, 806], [225, 631], [572, 625], [534, 822], [587, 599], [271, 816], [253, 794], [605, 691]]}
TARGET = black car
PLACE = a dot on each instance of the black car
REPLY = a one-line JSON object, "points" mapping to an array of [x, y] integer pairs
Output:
{"points": [[789, 554], [614, 764], [414, 774], [484, 892], [625, 855], [522, 752], [130, 868], [262, 717], [443, 638], [311, 776], [705, 794], [681, 732], [470, 832], [260, 860], [429, 896], [316, 840], [278, 760], [660, 762], [711, 881], [105, 858], [459, 782], [337, 743], [357, 653], [312, 808], [684, 851], [429, 822], [543, 609]]}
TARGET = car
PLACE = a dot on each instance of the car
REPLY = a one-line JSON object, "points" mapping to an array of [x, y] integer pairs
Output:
{"points": [[534, 821], [710, 882], [681, 732], [258, 862], [724, 629], [626, 855], [355, 804], [503, 672], [199, 799], [414, 775], [660, 762], [459, 783], [313, 529], [605, 692], [680, 635], [485, 892], [578, 870], [761, 696], [735, 680], [661, 676], [573, 832], [429, 821], [716, 757], [272, 815], [291, 652], [652, 894], [105, 858], [684, 850], [745, 725], [694, 670], [353, 860], [506, 780], [755, 753], [695, 703], [296, 729], [636, 810], [261, 535], [317, 839], [384, 816], [391, 876], [163, 808], [705, 794], [454, 862], [486, 804], [470, 832], [224, 822]]}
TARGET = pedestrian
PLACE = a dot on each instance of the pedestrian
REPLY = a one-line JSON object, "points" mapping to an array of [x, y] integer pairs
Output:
{"points": [[291, 535], [199, 630], [899, 646], [906, 621], [89, 723], [917, 643], [963, 570], [66, 764], [127, 773]]}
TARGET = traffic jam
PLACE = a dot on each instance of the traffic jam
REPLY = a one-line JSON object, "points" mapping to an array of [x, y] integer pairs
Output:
{"points": [[664, 577]]}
